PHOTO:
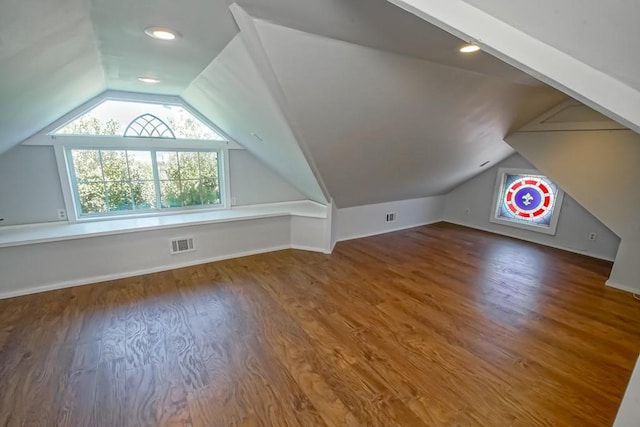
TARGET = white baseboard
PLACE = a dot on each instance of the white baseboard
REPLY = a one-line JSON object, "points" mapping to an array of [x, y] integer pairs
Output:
{"points": [[564, 248], [625, 288], [310, 249], [109, 277]]}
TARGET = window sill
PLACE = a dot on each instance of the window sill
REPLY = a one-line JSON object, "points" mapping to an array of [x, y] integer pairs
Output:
{"points": [[53, 232]]}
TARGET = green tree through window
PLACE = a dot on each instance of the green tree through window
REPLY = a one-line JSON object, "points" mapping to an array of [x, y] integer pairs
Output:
{"points": [[124, 180], [188, 178], [89, 125], [112, 117], [116, 180]]}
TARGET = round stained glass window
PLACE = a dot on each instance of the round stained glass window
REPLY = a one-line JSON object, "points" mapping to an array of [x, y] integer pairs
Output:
{"points": [[528, 198]]}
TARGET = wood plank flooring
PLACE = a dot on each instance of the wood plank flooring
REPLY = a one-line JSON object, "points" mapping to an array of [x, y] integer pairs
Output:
{"points": [[436, 325]]}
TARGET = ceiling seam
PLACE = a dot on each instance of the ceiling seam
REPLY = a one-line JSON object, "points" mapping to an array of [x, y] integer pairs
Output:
{"points": [[245, 22]]}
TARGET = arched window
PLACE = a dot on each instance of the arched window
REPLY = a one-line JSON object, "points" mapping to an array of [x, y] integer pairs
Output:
{"points": [[145, 119], [141, 157], [526, 199], [148, 126]]}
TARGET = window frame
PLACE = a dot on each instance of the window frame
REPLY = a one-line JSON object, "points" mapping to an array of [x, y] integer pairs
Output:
{"points": [[61, 143], [110, 95], [497, 201], [72, 180], [64, 144]]}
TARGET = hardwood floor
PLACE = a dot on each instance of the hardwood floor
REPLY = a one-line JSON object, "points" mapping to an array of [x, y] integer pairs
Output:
{"points": [[437, 325]]}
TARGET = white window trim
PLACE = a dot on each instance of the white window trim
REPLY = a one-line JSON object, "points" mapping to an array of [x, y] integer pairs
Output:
{"points": [[134, 142], [72, 206], [131, 97], [45, 136], [61, 145]]}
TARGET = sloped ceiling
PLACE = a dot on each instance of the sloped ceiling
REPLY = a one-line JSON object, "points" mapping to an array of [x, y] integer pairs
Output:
{"points": [[602, 34], [381, 101], [384, 126], [546, 41], [231, 93], [49, 64], [378, 24]]}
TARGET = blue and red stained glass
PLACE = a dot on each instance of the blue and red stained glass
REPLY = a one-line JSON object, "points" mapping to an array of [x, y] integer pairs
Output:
{"points": [[527, 199]]}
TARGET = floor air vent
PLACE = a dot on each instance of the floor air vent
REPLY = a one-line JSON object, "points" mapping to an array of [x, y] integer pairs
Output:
{"points": [[184, 244]]}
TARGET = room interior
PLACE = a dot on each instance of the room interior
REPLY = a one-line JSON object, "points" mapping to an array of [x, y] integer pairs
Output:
{"points": [[333, 115]]}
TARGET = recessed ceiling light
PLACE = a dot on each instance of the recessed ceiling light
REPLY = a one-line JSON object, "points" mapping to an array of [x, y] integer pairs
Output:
{"points": [[161, 33], [469, 47], [150, 80]]}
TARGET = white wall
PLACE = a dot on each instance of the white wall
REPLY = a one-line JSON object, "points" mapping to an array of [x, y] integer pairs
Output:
{"points": [[252, 182], [310, 234], [574, 224], [333, 232], [600, 169], [367, 220], [43, 266], [629, 411], [30, 190]]}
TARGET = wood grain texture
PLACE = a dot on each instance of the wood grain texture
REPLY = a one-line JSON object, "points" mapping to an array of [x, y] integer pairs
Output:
{"points": [[436, 325]]}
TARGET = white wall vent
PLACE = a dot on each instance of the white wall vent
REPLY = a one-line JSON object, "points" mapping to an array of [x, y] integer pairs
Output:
{"points": [[391, 217], [182, 244]]}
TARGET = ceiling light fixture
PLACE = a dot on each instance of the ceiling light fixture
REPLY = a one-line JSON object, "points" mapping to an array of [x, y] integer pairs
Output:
{"points": [[160, 33], [150, 80], [469, 47]]}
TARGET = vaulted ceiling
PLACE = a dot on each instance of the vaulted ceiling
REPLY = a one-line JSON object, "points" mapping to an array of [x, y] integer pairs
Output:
{"points": [[583, 48], [353, 100], [603, 35]]}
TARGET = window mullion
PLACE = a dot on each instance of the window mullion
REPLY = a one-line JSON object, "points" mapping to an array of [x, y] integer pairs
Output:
{"points": [[74, 183], [104, 182], [103, 179], [133, 201], [179, 178], [156, 179], [200, 185]]}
